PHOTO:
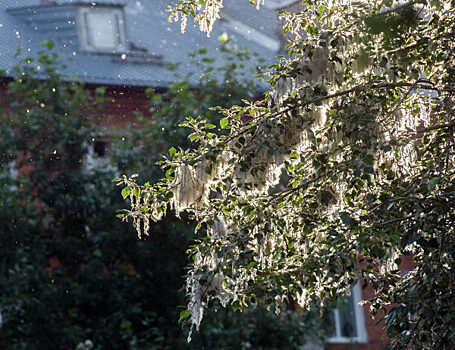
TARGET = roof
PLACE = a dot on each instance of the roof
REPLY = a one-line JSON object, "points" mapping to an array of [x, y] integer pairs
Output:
{"points": [[153, 42]]}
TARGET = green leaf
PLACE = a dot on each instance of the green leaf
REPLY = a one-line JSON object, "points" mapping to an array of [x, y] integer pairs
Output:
{"points": [[193, 137], [369, 170], [209, 126], [49, 44], [169, 173], [433, 182], [125, 324], [346, 218], [172, 151], [221, 252], [224, 122], [251, 265], [387, 148], [126, 192], [184, 315], [97, 253], [396, 238]]}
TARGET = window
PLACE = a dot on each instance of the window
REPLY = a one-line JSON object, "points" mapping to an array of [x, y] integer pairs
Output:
{"points": [[101, 29], [99, 155], [348, 320], [101, 148]]}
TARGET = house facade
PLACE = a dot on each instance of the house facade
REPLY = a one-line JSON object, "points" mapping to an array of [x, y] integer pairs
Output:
{"points": [[127, 46]]}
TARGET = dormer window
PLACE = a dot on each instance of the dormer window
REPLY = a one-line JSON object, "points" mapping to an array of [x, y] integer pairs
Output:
{"points": [[101, 29]]}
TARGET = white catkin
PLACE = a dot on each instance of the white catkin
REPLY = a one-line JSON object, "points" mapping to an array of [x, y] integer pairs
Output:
{"points": [[207, 18], [196, 305], [222, 294], [334, 76], [183, 23], [209, 15], [404, 122], [303, 298], [218, 229], [311, 70], [189, 189], [389, 264], [141, 218], [318, 65], [204, 172], [361, 64], [264, 171]]}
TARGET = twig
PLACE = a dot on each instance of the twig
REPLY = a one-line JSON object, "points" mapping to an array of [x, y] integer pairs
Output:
{"points": [[434, 127], [395, 220], [292, 190]]}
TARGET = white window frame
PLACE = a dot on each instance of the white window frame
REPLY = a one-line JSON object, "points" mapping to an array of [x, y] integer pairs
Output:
{"points": [[84, 33], [361, 332], [12, 169]]}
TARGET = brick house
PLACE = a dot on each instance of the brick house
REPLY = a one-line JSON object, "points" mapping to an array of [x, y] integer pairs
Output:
{"points": [[126, 46]]}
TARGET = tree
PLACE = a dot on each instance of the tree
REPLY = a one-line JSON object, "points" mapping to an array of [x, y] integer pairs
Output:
{"points": [[343, 168], [70, 276]]}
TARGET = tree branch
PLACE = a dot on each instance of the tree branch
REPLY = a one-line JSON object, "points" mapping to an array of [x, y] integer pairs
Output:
{"points": [[357, 88]]}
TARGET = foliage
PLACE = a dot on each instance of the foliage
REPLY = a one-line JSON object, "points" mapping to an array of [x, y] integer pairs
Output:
{"points": [[346, 166], [70, 276], [256, 328]]}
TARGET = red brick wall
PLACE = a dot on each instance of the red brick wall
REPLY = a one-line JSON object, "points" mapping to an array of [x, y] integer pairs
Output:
{"points": [[125, 103]]}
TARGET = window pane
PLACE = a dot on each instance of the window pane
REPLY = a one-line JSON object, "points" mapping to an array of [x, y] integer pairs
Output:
{"points": [[101, 148], [347, 318], [102, 29]]}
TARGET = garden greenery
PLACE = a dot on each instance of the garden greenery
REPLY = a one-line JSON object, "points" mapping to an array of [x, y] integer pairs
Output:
{"points": [[70, 276], [344, 167]]}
